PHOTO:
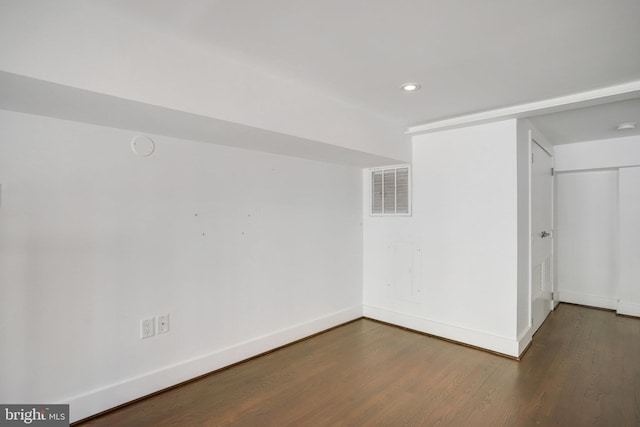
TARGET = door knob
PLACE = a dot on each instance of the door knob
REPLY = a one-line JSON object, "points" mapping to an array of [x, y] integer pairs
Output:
{"points": [[545, 234]]}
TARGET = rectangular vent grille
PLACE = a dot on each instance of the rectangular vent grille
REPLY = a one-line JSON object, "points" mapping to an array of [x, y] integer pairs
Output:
{"points": [[390, 191]]}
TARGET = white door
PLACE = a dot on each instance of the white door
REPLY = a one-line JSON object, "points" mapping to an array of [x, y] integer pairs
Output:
{"points": [[542, 235]]}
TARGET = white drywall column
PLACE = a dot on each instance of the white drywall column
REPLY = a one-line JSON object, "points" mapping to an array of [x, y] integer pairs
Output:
{"points": [[451, 268], [526, 134]]}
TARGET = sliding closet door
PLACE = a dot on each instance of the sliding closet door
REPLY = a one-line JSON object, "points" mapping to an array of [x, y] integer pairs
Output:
{"points": [[587, 237], [629, 196]]}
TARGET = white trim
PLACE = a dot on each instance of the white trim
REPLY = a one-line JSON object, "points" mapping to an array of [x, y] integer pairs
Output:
{"points": [[475, 338], [604, 168], [394, 166], [530, 143], [582, 99], [524, 340], [591, 300], [112, 395], [628, 308]]}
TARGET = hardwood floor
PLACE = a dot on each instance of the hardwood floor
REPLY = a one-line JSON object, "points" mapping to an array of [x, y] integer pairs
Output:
{"points": [[582, 369]]}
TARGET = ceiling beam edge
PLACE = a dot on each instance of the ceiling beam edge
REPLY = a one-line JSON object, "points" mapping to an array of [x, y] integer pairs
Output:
{"points": [[578, 100]]}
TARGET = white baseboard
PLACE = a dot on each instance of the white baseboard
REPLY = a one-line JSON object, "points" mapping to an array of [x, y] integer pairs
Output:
{"points": [[628, 308], [112, 395], [524, 340], [466, 336], [591, 300]]}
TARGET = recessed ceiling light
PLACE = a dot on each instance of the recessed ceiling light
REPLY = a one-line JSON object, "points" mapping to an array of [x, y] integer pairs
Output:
{"points": [[410, 87], [626, 126]]}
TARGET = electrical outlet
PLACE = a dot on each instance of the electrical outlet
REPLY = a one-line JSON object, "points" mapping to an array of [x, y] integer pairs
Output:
{"points": [[163, 323], [146, 328]]}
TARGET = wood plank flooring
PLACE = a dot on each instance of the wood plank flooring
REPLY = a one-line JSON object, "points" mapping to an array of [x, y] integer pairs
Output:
{"points": [[582, 369]]}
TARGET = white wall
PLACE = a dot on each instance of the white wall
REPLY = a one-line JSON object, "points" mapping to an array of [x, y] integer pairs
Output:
{"points": [[246, 251], [88, 45], [598, 223], [607, 153], [451, 269]]}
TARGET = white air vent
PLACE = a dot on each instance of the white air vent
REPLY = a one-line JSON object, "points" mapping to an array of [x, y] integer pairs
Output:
{"points": [[390, 191]]}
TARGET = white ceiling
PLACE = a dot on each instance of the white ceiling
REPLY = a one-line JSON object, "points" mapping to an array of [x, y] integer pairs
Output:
{"points": [[469, 56], [591, 123]]}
